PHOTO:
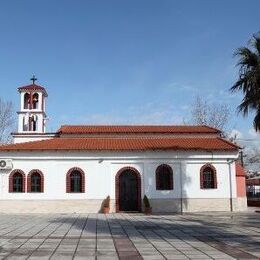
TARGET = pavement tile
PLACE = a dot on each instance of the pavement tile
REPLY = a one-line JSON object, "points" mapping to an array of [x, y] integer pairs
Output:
{"points": [[127, 236]]}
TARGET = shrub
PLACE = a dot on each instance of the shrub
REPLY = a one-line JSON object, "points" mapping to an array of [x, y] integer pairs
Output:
{"points": [[146, 202], [107, 202]]}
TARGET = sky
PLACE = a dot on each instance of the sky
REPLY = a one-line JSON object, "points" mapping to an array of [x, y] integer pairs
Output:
{"points": [[126, 61]]}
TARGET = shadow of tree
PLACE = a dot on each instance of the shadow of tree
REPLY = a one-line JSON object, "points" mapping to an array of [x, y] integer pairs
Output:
{"points": [[233, 234], [221, 227], [170, 201]]}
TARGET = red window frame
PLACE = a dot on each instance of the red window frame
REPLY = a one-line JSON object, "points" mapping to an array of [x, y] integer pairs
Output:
{"points": [[29, 181], [68, 179], [202, 176], [159, 174], [11, 180]]}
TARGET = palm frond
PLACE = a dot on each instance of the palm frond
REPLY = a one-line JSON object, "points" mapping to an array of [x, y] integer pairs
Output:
{"points": [[247, 57], [244, 83], [249, 79], [249, 102], [255, 42], [257, 120]]}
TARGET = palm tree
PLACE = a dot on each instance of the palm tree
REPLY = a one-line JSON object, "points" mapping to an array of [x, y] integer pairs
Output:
{"points": [[249, 79]]}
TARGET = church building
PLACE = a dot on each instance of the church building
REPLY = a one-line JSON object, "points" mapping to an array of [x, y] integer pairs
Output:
{"points": [[180, 168]]}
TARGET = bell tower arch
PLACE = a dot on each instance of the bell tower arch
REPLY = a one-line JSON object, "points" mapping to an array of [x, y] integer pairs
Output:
{"points": [[32, 114]]}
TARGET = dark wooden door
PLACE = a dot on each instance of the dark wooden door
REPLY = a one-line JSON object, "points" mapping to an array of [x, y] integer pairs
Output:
{"points": [[128, 191]]}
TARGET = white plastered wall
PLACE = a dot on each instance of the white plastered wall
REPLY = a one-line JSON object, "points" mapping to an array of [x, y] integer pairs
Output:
{"points": [[101, 168]]}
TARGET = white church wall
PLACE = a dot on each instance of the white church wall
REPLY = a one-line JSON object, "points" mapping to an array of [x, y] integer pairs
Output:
{"points": [[30, 138], [100, 170], [191, 181], [150, 180], [97, 180]]}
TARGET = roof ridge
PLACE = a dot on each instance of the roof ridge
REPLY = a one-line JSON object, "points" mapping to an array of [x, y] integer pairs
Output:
{"points": [[169, 125], [116, 128], [211, 127], [228, 142], [124, 144]]}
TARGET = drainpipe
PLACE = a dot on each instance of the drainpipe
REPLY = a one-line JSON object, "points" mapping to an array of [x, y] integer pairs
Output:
{"points": [[229, 161], [181, 187]]}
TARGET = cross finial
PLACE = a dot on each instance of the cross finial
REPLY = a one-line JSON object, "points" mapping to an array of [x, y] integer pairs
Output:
{"points": [[33, 79]]}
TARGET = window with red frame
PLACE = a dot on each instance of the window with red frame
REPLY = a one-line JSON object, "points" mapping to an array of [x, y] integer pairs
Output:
{"points": [[75, 181], [36, 182], [164, 177], [208, 177], [16, 182]]}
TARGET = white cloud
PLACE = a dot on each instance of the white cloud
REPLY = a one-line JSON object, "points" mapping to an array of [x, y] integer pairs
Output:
{"points": [[173, 86], [253, 133], [148, 113], [236, 134]]}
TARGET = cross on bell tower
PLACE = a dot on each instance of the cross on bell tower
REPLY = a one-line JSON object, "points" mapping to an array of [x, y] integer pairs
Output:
{"points": [[33, 79]]}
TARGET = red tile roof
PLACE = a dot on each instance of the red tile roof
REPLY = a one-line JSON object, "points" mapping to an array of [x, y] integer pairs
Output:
{"points": [[33, 87], [124, 144], [240, 172], [100, 129], [253, 181]]}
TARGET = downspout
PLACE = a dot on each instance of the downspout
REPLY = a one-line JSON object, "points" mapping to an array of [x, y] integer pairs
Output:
{"points": [[230, 184], [181, 188]]}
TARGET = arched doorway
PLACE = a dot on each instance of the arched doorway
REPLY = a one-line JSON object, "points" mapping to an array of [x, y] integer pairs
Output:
{"points": [[128, 190]]}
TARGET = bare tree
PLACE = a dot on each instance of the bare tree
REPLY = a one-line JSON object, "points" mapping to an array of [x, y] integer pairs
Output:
{"points": [[214, 115], [6, 120], [253, 156]]}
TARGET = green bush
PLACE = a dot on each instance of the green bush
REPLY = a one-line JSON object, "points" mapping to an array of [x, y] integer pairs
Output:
{"points": [[146, 202], [107, 202]]}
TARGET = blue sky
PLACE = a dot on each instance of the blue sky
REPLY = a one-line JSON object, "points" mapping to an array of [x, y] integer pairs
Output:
{"points": [[131, 61]]}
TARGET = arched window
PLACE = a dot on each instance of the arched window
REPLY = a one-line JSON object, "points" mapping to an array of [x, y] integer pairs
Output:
{"points": [[35, 101], [26, 101], [33, 123], [164, 177], [25, 125], [75, 180], [35, 181], [208, 177], [17, 181]]}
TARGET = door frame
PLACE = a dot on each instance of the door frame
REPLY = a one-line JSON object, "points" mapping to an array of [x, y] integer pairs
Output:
{"points": [[117, 188]]}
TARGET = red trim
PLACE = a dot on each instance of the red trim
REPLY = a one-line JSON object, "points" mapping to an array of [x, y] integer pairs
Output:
{"points": [[208, 165], [240, 171], [33, 87], [158, 179], [117, 186], [11, 179], [68, 187], [29, 180]]}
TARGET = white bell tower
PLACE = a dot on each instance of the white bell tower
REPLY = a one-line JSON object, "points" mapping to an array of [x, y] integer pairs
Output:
{"points": [[31, 117]]}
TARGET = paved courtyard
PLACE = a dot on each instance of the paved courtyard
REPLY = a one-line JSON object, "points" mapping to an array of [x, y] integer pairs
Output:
{"points": [[130, 236]]}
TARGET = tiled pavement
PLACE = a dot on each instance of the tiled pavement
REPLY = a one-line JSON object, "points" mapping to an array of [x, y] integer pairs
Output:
{"points": [[130, 236]]}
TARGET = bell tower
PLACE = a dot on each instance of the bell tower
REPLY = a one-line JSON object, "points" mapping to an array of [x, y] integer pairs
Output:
{"points": [[32, 116]]}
